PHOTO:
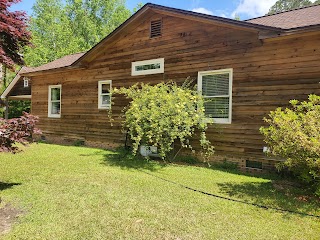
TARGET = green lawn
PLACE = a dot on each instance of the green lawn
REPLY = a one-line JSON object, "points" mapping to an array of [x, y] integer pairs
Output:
{"points": [[85, 193]]}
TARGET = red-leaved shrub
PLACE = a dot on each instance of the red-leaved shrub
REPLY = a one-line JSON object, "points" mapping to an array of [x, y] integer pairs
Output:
{"points": [[17, 130]]}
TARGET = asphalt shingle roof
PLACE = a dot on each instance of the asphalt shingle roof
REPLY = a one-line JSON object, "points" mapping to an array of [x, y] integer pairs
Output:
{"points": [[302, 17], [58, 63]]}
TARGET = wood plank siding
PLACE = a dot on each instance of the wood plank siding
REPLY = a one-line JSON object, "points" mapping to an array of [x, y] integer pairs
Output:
{"points": [[266, 75], [19, 89]]}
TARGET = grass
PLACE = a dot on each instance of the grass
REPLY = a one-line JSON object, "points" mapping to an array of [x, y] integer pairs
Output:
{"points": [[84, 193]]}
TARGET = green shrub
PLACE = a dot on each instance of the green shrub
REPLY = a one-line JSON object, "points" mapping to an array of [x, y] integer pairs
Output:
{"points": [[18, 107], [226, 165], [162, 114], [294, 134]]}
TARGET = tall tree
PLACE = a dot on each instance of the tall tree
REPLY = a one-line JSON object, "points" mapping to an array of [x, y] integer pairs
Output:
{"points": [[13, 37], [52, 36], [91, 20], [285, 5], [63, 27], [13, 34]]}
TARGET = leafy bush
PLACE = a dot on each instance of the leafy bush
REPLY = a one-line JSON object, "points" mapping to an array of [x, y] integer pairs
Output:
{"points": [[161, 114], [17, 130], [18, 107], [294, 134]]}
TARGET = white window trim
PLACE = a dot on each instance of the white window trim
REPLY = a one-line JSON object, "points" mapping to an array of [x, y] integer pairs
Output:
{"points": [[25, 82], [50, 115], [222, 71], [100, 105], [146, 62]]}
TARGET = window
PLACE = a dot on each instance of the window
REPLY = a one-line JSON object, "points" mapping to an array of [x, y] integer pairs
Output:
{"points": [[54, 103], [25, 82], [216, 88], [104, 94], [156, 28], [152, 66], [253, 164]]}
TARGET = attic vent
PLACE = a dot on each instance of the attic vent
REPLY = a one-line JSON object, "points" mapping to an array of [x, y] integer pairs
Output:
{"points": [[155, 28]]}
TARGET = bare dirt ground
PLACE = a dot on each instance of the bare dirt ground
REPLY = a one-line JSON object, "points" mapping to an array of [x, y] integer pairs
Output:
{"points": [[8, 216]]}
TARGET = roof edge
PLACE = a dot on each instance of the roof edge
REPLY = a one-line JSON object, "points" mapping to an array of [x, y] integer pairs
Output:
{"points": [[217, 18], [111, 34], [294, 32], [179, 11], [268, 15], [11, 85]]}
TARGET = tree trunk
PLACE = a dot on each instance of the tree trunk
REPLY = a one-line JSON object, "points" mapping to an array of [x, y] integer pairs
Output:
{"points": [[4, 76], [6, 113]]}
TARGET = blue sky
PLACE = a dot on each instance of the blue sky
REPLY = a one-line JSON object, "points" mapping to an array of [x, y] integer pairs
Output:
{"points": [[223, 8]]}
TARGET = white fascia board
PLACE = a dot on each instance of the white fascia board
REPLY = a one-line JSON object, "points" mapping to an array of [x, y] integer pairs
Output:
{"points": [[11, 85]]}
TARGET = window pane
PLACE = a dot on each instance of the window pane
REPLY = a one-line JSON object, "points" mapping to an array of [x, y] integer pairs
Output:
{"points": [[55, 108], [215, 85], [148, 67], [55, 93], [105, 100], [217, 107], [105, 88]]}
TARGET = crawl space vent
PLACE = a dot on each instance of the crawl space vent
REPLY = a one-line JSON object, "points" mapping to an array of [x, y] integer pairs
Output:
{"points": [[253, 164], [155, 28]]}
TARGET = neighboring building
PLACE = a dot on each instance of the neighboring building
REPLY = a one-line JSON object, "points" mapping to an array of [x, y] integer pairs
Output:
{"points": [[245, 68]]}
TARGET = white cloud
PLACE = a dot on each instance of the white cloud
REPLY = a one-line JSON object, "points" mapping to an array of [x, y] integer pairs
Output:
{"points": [[253, 8], [223, 15], [202, 10]]}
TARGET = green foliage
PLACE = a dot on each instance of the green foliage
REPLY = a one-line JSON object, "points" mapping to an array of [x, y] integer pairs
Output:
{"points": [[237, 17], [79, 142], [226, 165], [17, 107], [161, 114], [17, 130], [61, 27], [294, 134], [8, 76], [92, 20], [285, 5]]}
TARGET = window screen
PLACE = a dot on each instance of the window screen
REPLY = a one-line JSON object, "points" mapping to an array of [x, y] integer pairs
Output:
{"points": [[215, 87]]}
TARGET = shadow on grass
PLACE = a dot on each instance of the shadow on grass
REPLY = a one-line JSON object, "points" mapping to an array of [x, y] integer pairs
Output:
{"points": [[4, 186], [125, 160], [289, 198]]}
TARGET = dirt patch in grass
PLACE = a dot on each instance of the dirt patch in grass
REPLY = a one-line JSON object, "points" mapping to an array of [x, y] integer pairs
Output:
{"points": [[8, 216]]}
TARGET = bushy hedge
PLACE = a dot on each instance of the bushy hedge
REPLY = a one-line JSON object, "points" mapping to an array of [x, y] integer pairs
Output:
{"points": [[163, 114], [17, 130], [294, 134]]}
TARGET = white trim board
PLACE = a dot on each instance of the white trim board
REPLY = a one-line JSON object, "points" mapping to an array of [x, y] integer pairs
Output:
{"points": [[221, 71], [20, 97], [11, 85], [100, 83], [160, 61], [50, 115]]}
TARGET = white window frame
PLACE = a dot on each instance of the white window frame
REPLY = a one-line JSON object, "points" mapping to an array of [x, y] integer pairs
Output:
{"points": [[100, 94], [134, 72], [50, 115], [213, 72], [25, 82]]}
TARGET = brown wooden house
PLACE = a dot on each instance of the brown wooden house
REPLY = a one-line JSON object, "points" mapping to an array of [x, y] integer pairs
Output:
{"points": [[244, 69]]}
